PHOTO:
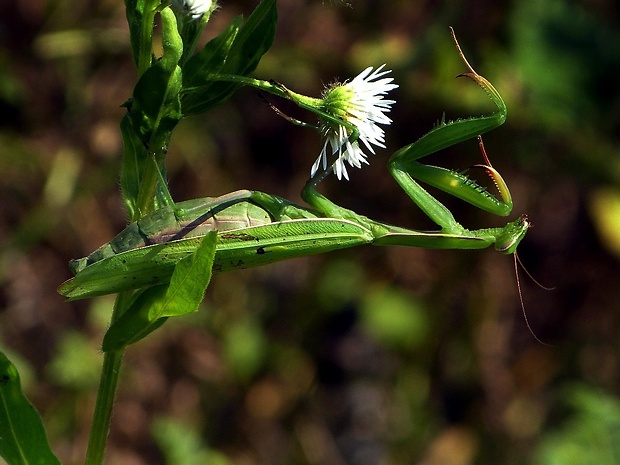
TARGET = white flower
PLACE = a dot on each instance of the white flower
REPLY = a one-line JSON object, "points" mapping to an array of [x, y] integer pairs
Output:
{"points": [[360, 103], [195, 8]]}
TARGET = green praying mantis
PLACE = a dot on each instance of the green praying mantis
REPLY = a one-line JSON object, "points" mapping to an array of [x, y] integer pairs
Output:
{"points": [[254, 228]]}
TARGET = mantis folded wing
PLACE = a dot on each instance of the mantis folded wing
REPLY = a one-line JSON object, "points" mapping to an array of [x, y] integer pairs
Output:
{"points": [[255, 228]]}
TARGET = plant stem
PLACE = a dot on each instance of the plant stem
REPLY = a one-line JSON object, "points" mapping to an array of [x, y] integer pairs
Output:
{"points": [[103, 407], [108, 384], [309, 103], [112, 360]]}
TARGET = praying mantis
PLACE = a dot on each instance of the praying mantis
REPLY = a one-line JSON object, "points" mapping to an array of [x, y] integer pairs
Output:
{"points": [[255, 228]]}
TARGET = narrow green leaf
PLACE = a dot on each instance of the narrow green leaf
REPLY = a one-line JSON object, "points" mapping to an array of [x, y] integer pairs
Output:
{"points": [[191, 30], [151, 307], [190, 279], [137, 322], [209, 60], [254, 39], [155, 107], [236, 51], [22, 436], [134, 10], [151, 98], [140, 15], [133, 165]]}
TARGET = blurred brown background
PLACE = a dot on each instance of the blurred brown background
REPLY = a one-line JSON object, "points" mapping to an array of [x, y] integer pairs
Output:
{"points": [[366, 356]]}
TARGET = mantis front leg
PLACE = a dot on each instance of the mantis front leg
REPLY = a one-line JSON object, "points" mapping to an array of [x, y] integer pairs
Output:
{"points": [[405, 168]]}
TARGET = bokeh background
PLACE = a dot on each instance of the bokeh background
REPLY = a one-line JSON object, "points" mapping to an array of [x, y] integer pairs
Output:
{"points": [[366, 356]]}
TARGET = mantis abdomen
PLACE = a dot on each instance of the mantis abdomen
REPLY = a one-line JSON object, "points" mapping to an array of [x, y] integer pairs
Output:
{"points": [[192, 218]]}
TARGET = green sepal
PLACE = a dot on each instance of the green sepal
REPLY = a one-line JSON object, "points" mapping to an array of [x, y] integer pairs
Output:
{"points": [[236, 51], [155, 106], [152, 306], [23, 440]]}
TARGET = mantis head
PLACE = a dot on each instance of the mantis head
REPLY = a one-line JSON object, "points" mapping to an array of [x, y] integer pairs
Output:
{"points": [[512, 234]]}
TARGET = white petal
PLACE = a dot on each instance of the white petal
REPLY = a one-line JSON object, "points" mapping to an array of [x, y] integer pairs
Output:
{"points": [[365, 109]]}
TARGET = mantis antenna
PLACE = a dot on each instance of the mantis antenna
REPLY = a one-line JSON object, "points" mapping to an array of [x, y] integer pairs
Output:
{"points": [[517, 262], [502, 188]]}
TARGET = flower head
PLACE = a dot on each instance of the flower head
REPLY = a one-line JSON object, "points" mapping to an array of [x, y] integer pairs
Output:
{"points": [[359, 102], [194, 8]]}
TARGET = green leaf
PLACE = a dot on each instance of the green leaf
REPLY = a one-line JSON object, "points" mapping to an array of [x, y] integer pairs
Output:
{"points": [[151, 307], [190, 279], [22, 436], [236, 51], [155, 107], [135, 158], [191, 30], [137, 322], [211, 59], [137, 11]]}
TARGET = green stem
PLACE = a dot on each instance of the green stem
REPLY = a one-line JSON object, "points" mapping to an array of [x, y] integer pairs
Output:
{"points": [[112, 361], [315, 105], [108, 385], [309, 103], [103, 407]]}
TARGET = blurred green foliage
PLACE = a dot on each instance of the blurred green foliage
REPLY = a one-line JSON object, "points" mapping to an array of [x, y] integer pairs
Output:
{"points": [[182, 446], [394, 319], [365, 356], [76, 363], [589, 433]]}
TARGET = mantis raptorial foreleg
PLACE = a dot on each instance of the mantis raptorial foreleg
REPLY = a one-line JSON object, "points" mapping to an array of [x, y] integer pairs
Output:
{"points": [[405, 168]]}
